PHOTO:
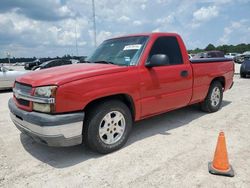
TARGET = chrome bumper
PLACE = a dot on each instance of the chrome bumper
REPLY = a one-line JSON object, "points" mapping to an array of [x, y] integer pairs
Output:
{"points": [[52, 130]]}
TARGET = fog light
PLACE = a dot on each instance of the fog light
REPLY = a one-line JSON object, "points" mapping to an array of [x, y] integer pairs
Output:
{"points": [[42, 107]]}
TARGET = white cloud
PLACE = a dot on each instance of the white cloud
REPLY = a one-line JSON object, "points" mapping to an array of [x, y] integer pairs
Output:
{"points": [[236, 32], [166, 20], [206, 13], [100, 36], [163, 1], [203, 15], [103, 35], [156, 30], [123, 19], [46, 10], [143, 6], [45, 27], [18, 30], [137, 22]]}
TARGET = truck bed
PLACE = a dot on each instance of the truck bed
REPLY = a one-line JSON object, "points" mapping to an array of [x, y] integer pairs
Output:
{"points": [[210, 60]]}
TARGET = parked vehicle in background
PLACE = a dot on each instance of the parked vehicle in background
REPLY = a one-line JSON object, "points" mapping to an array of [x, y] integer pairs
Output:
{"points": [[52, 63], [30, 65], [241, 57], [74, 61], [245, 67], [82, 59], [238, 59], [127, 79], [247, 53], [190, 56], [8, 76], [231, 55], [208, 54]]}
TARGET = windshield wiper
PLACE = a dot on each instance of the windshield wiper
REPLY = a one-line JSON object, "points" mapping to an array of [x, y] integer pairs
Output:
{"points": [[105, 62]]}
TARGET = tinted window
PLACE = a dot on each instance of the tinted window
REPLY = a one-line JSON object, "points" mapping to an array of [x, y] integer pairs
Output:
{"points": [[53, 63], [59, 63], [66, 62], [168, 46]]}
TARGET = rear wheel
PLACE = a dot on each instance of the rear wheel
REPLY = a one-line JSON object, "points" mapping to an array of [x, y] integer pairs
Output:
{"points": [[212, 102], [107, 126]]}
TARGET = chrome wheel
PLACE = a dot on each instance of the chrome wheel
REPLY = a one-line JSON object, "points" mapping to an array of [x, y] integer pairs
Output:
{"points": [[112, 127], [215, 97]]}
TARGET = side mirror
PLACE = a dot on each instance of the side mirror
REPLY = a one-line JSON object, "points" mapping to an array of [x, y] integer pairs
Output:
{"points": [[158, 60]]}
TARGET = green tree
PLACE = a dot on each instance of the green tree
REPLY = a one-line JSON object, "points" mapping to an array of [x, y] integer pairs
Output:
{"points": [[210, 47]]}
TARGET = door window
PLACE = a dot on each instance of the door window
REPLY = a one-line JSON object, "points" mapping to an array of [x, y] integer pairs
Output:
{"points": [[168, 46]]}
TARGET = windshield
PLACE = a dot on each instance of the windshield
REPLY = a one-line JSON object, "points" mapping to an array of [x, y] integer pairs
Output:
{"points": [[121, 51]]}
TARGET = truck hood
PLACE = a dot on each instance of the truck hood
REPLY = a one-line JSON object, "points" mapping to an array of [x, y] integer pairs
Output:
{"points": [[68, 73]]}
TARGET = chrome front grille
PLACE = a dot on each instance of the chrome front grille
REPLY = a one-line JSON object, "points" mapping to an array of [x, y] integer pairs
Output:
{"points": [[23, 88], [24, 92]]}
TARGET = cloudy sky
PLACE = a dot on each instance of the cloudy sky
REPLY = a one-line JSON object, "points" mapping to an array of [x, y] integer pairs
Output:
{"points": [[50, 27]]}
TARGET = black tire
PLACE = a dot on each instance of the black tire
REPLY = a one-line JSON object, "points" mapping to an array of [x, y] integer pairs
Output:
{"points": [[95, 115], [208, 105], [243, 75]]}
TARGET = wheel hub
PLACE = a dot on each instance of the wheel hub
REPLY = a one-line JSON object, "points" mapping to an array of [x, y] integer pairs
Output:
{"points": [[215, 97], [112, 127]]}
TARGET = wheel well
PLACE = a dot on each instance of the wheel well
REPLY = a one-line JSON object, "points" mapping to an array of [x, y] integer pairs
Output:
{"points": [[221, 80], [126, 99]]}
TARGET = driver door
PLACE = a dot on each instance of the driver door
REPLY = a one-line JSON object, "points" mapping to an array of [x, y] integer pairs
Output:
{"points": [[167, 87]]}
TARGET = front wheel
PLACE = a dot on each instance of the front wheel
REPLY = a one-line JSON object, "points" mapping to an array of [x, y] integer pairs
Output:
{"points": [[107, 126], [212, 102]]}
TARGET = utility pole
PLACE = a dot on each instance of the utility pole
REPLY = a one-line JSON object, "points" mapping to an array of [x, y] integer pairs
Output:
{"points": [[8, 56], [94, 24], [76, 39]]}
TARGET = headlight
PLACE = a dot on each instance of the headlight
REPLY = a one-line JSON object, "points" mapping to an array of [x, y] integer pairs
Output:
{"points": [[45, 92]]}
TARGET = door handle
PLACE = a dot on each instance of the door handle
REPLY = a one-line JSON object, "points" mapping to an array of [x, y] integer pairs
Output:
{"points": [[184, 73]]}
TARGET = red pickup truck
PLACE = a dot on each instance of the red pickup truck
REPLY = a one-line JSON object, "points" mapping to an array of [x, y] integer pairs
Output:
{"points": [[126, 79]]}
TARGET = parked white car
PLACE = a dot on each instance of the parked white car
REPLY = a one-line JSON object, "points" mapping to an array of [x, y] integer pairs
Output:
{"points": [[8, 76], [231, 55]]}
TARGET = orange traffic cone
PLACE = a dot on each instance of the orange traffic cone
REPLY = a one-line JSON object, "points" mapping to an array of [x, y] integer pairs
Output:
{"points": [[220, 164]]}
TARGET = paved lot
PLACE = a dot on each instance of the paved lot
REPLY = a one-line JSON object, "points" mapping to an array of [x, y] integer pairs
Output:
{"points": [[170, 150]]}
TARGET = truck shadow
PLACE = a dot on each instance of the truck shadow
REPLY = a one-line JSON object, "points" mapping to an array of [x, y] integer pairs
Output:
{"points": [[70, 156], [5, 91], [161, 124]]}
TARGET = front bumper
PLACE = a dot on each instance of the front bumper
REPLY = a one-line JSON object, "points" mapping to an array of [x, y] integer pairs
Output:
{"points": [[52, 130]]}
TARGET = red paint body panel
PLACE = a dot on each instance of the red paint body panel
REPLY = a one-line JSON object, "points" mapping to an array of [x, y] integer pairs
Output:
{"points": [[74, 96], [153, 90], [68, 73], [162, 88], [204, 73]]}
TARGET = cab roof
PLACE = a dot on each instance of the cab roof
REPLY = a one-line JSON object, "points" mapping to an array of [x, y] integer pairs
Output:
{"points": [[147, 34]]}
